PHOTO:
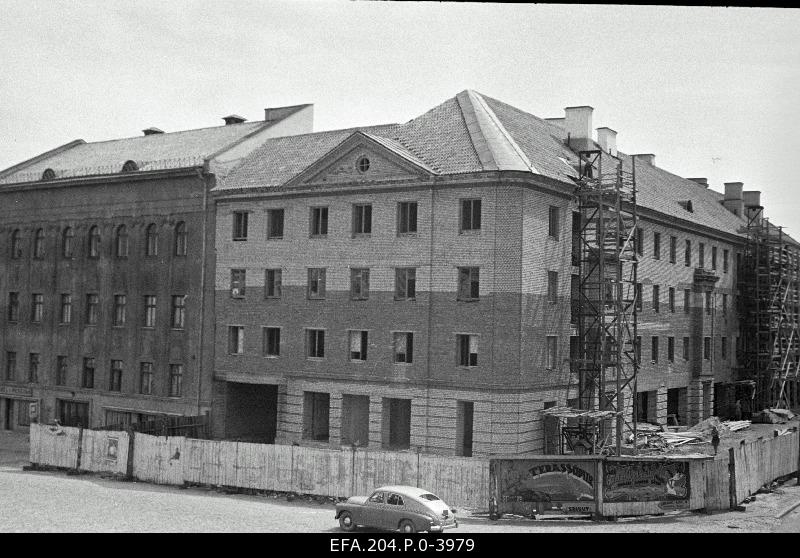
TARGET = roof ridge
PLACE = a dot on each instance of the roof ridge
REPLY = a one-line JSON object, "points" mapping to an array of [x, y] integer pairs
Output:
{"points": [[506, 154]]}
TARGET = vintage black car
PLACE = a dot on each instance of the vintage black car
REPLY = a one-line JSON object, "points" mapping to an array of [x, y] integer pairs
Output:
{"points": [[405, 508]]}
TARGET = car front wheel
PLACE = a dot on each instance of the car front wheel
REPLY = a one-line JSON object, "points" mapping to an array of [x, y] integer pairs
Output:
{"points": [[346, 521], [407, 526]]}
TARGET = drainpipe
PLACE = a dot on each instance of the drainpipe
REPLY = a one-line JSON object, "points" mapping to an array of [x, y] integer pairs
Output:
{"points": [[200, 368]]}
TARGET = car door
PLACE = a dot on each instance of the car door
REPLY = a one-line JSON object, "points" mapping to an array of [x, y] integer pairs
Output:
{"points": [[395, 511], [373, 510]]}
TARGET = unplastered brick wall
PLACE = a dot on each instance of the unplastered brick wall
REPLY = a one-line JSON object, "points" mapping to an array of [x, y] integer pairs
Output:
{"points": [[697, 323], [503, 423]]}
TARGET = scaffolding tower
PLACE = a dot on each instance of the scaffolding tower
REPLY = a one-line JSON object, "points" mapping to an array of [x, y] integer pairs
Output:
{"points": [[770, 311], [607, 302]]}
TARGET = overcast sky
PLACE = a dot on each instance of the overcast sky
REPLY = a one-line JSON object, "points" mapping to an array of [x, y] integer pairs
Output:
{"points": [[711, 91]]}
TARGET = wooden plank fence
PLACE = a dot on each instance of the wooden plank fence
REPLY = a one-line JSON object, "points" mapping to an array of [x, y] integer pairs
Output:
{"points": [[460, 481]]}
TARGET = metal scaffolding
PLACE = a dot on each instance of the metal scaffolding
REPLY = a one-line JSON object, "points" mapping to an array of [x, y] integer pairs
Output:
{"points": [[606, 360], [770, 311]]}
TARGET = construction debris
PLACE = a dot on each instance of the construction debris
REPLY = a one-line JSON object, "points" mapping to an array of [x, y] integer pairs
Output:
{"points": [[773, 416]]}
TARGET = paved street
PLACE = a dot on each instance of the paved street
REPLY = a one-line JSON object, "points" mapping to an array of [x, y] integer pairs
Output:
{"points": [[35, 501]]}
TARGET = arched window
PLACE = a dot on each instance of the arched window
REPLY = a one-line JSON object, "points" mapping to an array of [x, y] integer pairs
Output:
{"points": [[121, 244], [180, 239], [16, 244], [38, 244], [68, 243], [48, 174], [94, 242], [151, 240], [130, 166]]}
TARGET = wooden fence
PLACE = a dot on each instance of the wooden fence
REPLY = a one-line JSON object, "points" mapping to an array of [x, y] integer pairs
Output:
{"points": [[460, 481]]}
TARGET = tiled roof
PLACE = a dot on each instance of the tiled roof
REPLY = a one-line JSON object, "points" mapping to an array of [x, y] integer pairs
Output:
{"points": [[469, 133], [150, 152]]}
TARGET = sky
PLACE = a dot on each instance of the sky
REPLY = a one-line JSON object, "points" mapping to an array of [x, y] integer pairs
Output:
{"points": [[711, 91]]}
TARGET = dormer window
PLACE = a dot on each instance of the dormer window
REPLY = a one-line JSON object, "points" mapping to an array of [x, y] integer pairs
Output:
{"points": [[48, 174], [130, 166], [687, 205]]}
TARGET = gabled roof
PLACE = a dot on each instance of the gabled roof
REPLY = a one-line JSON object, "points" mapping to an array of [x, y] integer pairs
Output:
{"points": [[150, 152]]}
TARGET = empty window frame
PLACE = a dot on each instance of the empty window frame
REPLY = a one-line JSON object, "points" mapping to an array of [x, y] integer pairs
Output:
{"points": [[671, 294], [673, 249], [362, 219], [239, 225], [701, 255], [316, 416], [178, 311], [92, 308], [406, 218], [552, 286], [146, 378], [238, 282], [61, 370], [706, 348], [33, 368], [639, 241], [87, 378], [149, 311], [359, 341], [94, 242], [656, 298], [403, 345], [714, 257], [37, 307], [275, 224], [16, 244], [120, 310], [724, 303], [708, 302], [13, 306], [671, 349], [723, 348], [175, 380], [272, 283], [638, 294], [319, 221], [405, 282], [315, 343], [115, 376], [235, 340], [687, 254], [68, 243], [551, 352], [121, 242], [469, 280], [470, 215], [467, 349], [316, 283], [686, 348], [181, 239], [359, 283], [687, 300], [654, 349], [151, 240], [725, 257], [554, 222], [38, 244], [656, 245], [11, 366], [271, 341]]}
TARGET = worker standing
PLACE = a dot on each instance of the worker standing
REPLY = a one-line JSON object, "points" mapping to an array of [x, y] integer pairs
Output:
{"points": [[715, 439]]}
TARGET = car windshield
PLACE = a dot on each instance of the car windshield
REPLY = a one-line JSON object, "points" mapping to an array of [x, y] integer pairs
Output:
{"points": [[429, 496]]}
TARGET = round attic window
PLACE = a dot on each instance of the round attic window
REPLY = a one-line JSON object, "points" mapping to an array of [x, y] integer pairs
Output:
{"points": [[362, 164], [48, 174], [130, 166]]}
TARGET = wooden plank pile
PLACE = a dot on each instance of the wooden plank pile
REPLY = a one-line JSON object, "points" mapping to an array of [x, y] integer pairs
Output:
{"points": [[736, 425]]}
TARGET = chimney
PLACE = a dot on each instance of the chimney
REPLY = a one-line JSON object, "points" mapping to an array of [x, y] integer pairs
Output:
{"points": [[578, 122], [733, 201], [233, 119], [701, 181], [607, 138], [151, 131], [752, 205], [648, 158]]}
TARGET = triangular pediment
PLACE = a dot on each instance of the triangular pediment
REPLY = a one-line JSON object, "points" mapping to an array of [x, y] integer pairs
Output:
{"points": [[363, 158]]}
